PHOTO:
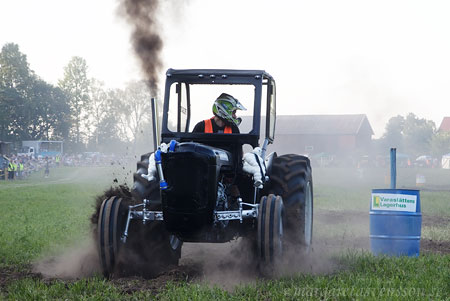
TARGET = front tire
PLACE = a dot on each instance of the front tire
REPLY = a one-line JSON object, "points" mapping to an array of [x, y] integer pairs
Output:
{"points": [[111, 225], [270, 237]]}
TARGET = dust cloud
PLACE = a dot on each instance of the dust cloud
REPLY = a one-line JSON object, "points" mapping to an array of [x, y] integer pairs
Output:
{"points": [[228, 265], [78, 261], [225, 265]]}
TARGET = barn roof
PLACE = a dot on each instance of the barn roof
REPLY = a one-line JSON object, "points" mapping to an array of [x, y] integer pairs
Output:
{"points": [[322, 124], [445, 125]]}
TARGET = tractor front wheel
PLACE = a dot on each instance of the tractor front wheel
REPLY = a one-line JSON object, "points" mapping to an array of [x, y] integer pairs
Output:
{"points": [[111, 225], [270, 236]]}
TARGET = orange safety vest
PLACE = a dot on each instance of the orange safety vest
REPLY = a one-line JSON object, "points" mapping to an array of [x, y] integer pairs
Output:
{"points": [[209, 129]]}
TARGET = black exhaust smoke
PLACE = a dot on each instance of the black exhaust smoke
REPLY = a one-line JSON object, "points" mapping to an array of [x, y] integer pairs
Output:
{"points": [[147, 42]]}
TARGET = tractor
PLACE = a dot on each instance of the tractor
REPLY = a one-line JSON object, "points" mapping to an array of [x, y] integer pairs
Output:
{"points": [[200, 192]]}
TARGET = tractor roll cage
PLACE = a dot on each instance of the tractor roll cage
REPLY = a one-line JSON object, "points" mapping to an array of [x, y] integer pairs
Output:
{"points": [[257, 78]]}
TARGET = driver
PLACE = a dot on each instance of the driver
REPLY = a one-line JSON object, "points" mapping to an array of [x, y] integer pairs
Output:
{"points": [[224, 119]]}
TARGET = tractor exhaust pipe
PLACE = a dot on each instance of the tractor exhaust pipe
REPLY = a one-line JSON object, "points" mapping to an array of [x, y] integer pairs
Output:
{"points": [[155, 124]]}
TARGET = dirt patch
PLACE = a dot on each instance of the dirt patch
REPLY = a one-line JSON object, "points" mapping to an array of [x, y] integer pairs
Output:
{"points": [[428, 220], [182, 273], [341, 230], [128, 285], [431, 246], [10, 274]]}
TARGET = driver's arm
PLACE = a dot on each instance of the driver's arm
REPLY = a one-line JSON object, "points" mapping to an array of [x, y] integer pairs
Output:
{"points": [[199, 127]]}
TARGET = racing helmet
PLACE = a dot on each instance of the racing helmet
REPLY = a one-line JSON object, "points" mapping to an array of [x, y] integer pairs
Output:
{"points": [[225, 105]]}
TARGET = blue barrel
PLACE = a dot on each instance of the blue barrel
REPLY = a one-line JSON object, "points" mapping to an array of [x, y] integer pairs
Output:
{"points": [[395, 222]]}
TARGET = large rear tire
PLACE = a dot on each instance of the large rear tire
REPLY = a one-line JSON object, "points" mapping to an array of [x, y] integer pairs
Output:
{"points": [[291, 177], [111, 225], [168, 246], [270, 238], [142, 188]]}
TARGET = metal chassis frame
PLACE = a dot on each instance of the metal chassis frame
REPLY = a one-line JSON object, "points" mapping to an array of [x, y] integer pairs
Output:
{"points": [[148, 215]]}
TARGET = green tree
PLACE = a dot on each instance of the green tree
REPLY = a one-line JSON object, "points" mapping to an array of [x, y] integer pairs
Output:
{"points": [[16, 80], [410, 134], [51, 112], [8, 97], [76, 85], [117, 114], [40, 107], [109, 133], [440, 144], [136, 105], [418, 133], [14, 69], [132, 110], [393, 135], [97, 107], [30, 108]]}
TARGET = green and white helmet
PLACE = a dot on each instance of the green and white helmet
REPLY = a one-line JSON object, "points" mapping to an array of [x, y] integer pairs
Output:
{"points": [[224, 106]]}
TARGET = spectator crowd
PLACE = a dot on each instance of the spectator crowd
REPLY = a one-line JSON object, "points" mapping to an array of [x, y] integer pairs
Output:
{"points": [[20, 167]]}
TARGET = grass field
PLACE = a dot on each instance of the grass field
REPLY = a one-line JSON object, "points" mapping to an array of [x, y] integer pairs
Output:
{"points": [[40, 218]]}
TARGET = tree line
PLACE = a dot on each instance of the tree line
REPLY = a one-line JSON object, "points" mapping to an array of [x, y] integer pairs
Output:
{"points": [[79, 111], [88, 117], [415, 136]]}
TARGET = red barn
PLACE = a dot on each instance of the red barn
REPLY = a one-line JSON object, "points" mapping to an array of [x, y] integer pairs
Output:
{"points": [[445, 125]]}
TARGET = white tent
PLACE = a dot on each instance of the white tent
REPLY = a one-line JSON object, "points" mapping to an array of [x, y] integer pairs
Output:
{"points": [[445, 162]]}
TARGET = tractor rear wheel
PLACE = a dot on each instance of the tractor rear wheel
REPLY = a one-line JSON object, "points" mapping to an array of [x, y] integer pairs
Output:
{"points": [[142, 188], [111, 225], [270, 230], [291, 177], [165, 246]]}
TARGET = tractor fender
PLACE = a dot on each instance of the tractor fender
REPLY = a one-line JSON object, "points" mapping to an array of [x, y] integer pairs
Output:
{"points": [[269, 161]]}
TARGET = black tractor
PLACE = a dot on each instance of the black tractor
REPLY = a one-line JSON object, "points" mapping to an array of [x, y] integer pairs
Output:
{"points": [[200, 192]]}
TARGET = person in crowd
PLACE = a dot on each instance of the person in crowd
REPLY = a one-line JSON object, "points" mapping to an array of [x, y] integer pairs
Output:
{"points": [[11, 170], [20, 168], [47, 168]]}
